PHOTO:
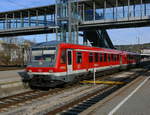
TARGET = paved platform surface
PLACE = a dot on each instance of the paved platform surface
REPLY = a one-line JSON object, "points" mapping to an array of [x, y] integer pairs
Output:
{"points": [[12, 75], [133, 100]]}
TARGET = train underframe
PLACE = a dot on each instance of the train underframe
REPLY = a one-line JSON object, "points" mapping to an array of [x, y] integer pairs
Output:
{"points": [[50, 81]]}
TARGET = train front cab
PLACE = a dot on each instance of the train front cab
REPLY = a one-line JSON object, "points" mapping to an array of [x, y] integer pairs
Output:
{"points": [[44, 69]]}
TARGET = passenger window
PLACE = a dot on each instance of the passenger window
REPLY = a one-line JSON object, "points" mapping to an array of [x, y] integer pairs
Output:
{"points": [[63, 57], [118, 58], [96, 57], [90, 57], [112, 57], [109, 58], [79, 57], [69, 57], [105, 57], [115, 57], [101, 57]]}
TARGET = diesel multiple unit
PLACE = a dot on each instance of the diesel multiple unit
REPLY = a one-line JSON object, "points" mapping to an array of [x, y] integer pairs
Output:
{"points": [[55, 63]]}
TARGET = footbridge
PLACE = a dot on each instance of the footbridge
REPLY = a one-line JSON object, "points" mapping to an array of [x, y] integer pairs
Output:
{"points": [[87, 15]]}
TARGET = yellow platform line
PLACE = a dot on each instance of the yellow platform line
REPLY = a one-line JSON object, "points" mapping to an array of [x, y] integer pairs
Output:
{"points": [[105, 82], [6, 83]]}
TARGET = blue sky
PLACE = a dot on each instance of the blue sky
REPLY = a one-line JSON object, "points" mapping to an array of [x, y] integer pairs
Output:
{"points": [[118, 36]]}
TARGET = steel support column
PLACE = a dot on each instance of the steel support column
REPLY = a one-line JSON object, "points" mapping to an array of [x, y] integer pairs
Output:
{"points": [[113, 13], [56, 21], [104, 10], [77, 29], [16, 23], [123, 12], [13, 20], [45, 18], [69, 21], [37, 17], [128, 9], [145, 9], [77, 36], [83, 12], [94, 11], [29, 19], [3, 24], [134, 9], [6, 21], [21, 19], [141, 8], [116, 9]]}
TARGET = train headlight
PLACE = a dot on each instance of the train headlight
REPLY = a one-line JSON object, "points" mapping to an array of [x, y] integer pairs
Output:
{"points": [[50, 71], [30, 70]]}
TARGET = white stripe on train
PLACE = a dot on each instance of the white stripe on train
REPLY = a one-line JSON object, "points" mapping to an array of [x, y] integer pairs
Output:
{"points": [[77, 71]]}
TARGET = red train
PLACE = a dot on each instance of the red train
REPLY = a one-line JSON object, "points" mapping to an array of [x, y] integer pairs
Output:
{"points": [[55, 63]]}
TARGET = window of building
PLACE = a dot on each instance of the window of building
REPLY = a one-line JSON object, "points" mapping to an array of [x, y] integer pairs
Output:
{"points": [[79, 57], [90, 57], [96, 57]]}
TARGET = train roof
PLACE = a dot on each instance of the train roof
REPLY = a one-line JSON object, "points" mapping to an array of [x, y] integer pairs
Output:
{"points": [[46, 44], [77, 46]]}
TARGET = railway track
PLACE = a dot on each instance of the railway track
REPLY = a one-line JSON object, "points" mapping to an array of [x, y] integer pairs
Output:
{"points": [[36, 95], [23, 98], [28, 97], [78, 106]]}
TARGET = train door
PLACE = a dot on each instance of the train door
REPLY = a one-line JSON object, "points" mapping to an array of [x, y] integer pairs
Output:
{"points": [[69, 61], [120, 59]]}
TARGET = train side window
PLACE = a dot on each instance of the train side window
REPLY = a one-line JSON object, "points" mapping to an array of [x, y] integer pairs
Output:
{"points": [[101, 57], [118, 58], [109, 58], [105, 57], [96, 57], [69, 57], [115, 57], [112, 57], [79, 57], [90, 57], [63, 57]]}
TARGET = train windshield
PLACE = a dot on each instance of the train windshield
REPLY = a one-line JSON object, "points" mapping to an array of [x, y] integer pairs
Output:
{"points": [[43, 57]]}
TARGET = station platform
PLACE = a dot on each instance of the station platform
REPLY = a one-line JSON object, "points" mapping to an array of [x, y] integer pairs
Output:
{"points": [[11, 75], [11, 82], [133, 99]]}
